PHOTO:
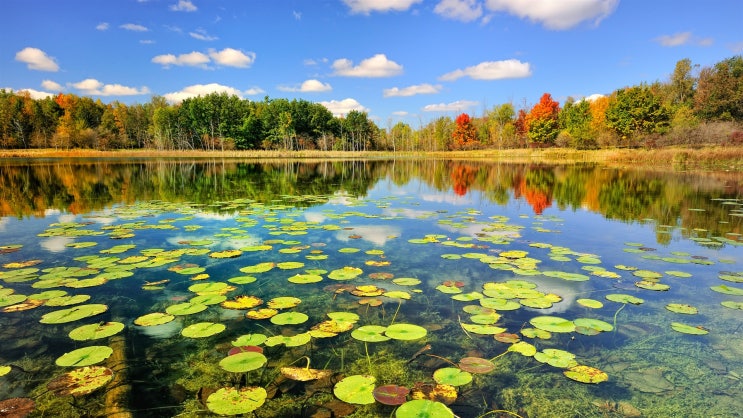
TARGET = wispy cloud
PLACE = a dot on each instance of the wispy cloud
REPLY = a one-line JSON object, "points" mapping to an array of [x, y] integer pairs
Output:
{"points": [[412, 90], [134, 27], [183, 6], [201, 35], [376, 66], [102, 26], [458, 106], [36, 59], [463, 10], [683, 38], [491, 70]]}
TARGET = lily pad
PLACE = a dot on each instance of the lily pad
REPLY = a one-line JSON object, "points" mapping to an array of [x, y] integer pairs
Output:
{"points": [[86, 356], [392, 395], [596, 324], [154, 318], [96, 331], [304, 374], [523, 348], [728, 290], [651, 285], [682, 308], [67, 300], [283, 302], [590, 303], [234, 401], [356, 389], [406, 332], [243, 362], [452, 376], [203, 329], [623, 298], [242, 302], [556, 358], [80, 381], [289, 318], [552, 324], [73, 314], [688, 329], [423, 408], [249, 339], [289, 341], [186, 308], [476, 365], [586, 374], [345, 273], [305, 278], [370, 333], [732, 304]]}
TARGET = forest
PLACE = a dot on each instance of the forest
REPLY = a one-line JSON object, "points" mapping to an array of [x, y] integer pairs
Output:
{"points": [[694, 107]]}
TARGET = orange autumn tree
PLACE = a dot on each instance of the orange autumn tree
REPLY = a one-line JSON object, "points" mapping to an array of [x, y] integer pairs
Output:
{"points": [[464, 135], [542, 125]]}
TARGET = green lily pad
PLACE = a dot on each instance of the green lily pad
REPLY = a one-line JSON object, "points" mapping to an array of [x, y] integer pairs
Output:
{"points": [[96, 331], [289, 318], [676, 273], [356, 389], [536, 333], [86, 356], [586, 374], [647, 274], [682, 308], [233, 401], [452, 376], [728, 290], [595, 324], [242, 362], [208, 287], [289, 265], [207, 299], [523, 348], [556, 358], [370, 333], [423, 408], [242, 279], [650, 285], [688, 329], [81, 381], [12, 299], [203, 329], [500, 304], [483, 329], [186, 308], [405, 332], [249, 339], [623, 298], [154, 318], [731, 277], [732, 304], [552, 324], [590, 303], [573, 277], [344, 316], [73, 314], [305, 278], [345, 273], [258, 268], [406, 281], [67, 300], [293, 341]]}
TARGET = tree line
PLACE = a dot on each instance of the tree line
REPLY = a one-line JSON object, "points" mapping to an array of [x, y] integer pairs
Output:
{"points": [[694, 106]]}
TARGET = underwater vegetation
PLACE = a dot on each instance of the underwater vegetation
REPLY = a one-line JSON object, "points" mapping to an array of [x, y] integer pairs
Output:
{"points": [[395, 304]]}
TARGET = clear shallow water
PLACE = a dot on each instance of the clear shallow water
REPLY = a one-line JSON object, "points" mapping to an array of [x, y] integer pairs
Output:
{"points": [[452, 226]]}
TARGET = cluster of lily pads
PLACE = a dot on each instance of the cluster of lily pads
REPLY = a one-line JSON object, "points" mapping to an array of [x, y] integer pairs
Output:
{"points": [[269, 232]]}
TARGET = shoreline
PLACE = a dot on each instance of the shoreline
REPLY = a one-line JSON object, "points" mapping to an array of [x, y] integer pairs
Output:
{"points": [[683, 158]]}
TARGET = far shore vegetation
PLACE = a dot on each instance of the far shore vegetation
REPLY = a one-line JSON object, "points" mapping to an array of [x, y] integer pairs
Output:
{"points": [[693, 120]]}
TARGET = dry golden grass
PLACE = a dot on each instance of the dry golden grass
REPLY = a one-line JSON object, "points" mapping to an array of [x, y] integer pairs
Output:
{"points": [[709, 158]]}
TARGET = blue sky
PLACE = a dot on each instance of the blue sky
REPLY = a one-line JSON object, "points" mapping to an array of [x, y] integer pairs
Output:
{"points": [[409, 60]]}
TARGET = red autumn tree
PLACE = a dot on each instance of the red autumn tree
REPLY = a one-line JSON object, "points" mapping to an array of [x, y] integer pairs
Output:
{"points": [[464, 134], [541, 122]]}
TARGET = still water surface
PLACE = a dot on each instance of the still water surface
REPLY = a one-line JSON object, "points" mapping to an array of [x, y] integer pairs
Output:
{"points": [[534, 269]]}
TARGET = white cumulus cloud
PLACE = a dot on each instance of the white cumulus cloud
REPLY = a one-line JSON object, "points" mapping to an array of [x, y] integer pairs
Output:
{"points": [[368, 6], [51, 85], [192, 59], [32, 93], [183, 6], [376, 66], [309, 86], [491, 70], [464, 10], [93, 87], [201, 90], [458, 106], [36, 59], [231, 57], [343, 107], [412, 90], [554, 14]]}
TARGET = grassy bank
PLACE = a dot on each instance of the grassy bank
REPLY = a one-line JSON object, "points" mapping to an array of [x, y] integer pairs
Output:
{"points": [[710, 158]]}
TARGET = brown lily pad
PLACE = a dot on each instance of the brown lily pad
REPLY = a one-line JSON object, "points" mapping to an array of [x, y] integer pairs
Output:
{"points": [[16, 407], [392, 395], [304, 374]]}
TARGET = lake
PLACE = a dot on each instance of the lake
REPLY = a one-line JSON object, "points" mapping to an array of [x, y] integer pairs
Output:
{"points": [[427, 288]]}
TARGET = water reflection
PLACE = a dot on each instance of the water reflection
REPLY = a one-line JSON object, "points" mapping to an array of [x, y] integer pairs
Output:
{"points": [[703, 205]]}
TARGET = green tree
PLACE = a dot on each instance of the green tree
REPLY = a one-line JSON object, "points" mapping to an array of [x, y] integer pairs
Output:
{"points": [[636, 111], [575, 121], [719, 94]]}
